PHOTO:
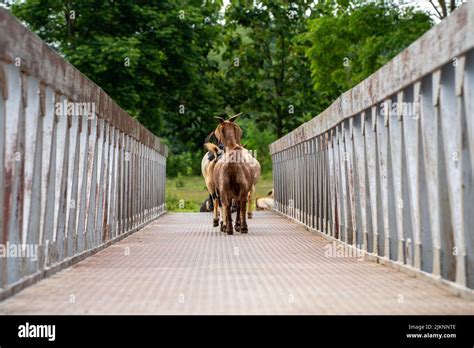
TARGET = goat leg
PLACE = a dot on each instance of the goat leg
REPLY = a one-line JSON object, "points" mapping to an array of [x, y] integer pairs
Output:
{"points": [[228, 217], [215, 221], [243, 208], [250, 203], [238, 217]]}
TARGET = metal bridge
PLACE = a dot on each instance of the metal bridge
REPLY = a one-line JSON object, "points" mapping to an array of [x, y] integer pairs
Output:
{"points": [[374, 198]]}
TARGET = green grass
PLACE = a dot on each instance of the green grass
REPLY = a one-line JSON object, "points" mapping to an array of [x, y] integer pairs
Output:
{"points": [[191, 191]]}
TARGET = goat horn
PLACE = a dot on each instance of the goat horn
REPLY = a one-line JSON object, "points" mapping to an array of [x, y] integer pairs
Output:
{"points": [[233, 118], [208, 138], [221, 120]]}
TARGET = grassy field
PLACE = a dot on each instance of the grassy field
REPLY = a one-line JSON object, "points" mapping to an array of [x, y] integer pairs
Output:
{"points": [[186, 194]]}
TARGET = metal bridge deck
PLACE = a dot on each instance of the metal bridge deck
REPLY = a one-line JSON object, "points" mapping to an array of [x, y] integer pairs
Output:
{"points": [[180, 264]]}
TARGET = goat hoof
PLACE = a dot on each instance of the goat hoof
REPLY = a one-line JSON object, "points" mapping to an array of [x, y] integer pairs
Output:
{"points": [[222, 226], [244, 230], [215, 222], [229, 231], [237, 227], [249, 215]]}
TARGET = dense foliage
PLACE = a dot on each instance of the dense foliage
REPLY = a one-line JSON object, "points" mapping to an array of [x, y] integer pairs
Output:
{"points": [[349, 43], [175, 64]]}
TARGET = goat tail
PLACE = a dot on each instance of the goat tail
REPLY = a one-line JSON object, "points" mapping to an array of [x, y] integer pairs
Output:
{"points": [[212, 148]]}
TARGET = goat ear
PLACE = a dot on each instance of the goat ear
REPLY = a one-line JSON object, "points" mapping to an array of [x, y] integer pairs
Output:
{"points": [[233, 118], [221, 120]]}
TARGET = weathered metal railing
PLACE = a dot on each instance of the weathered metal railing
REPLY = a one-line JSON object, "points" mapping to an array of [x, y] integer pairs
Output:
{"points": [[388, 167], [78, 171]]}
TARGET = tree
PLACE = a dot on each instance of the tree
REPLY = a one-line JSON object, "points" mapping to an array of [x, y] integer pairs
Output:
{"points": [[444, 8], [149, 56], [265, 70], [175, 64], [354, 39]]}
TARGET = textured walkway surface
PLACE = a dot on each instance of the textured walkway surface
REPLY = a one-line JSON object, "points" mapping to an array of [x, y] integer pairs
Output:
{"points": [[180, 264]]}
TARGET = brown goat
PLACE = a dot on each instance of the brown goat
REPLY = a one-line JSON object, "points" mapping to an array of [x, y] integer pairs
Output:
{"points": [[234, 174], [230, 134]]}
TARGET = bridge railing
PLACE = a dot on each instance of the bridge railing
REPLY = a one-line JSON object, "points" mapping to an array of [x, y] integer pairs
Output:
{"points": [[388, 167], [78, 171]]}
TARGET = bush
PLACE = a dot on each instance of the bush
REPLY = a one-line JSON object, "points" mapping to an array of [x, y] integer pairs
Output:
{"points": [[179, 181], [184, 164], [256, 138]]}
